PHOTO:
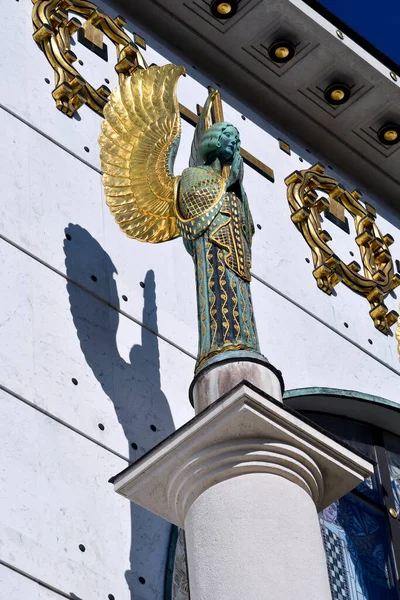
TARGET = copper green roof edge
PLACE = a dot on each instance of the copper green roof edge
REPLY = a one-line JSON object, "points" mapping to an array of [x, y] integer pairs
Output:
{"points": [[322, 391], [169, 569]]}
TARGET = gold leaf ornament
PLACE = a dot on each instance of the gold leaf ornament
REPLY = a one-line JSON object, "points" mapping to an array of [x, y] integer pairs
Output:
{"points": [[54, 24], [379, 278], [138, 143]]}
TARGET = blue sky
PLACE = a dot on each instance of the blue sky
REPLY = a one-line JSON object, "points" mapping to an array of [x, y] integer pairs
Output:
{"points": [[378, 22]]}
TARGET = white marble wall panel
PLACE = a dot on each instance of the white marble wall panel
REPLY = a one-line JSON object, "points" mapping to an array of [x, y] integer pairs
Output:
{"points": [[55, 496], [48, 193], [25, 68], [19, 587], [311, 355], [129, 381]]}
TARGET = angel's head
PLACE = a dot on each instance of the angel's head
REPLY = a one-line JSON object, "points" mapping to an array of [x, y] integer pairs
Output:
{"points": [[221, 141]]}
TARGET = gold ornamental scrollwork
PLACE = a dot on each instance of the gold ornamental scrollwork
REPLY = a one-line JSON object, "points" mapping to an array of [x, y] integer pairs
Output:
{"points": [[378, 277], [53, 29]]}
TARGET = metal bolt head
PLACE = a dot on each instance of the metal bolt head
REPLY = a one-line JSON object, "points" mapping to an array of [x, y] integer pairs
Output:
{"points": [[393, 513], [390, 135], [224, 8], [282, 52], [337, 95]]}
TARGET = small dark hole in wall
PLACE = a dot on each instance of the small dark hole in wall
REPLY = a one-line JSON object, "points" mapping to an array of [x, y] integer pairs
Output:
{"points": [[68, 236], [153, 427], [142, 285], [111, 597], [307, 260], [243, 117], [47, 80], [93, 277], [351, 253], [82, 548], [193, 67], [86, 149], [107, 81], [142, 580], [125, 298], [300, 159], [307, 150], [101, 426], [370, 341], [346, 325], [80, 62], [134, 446], [259, 226], [74, 381]]}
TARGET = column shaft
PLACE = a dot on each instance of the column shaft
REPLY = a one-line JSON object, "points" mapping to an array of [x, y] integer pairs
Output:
{"points": [[255, 537]]}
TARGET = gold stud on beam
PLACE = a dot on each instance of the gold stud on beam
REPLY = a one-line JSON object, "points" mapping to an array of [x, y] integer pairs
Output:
{"points": [[223, 10], [338, 93], [389, 134], [281, 51]]}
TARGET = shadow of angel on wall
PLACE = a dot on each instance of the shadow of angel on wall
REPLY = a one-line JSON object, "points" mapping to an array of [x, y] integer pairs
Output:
{"points": [[134, 386]]}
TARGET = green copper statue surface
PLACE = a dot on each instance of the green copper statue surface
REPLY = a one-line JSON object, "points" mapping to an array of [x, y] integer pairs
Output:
{"points": [[209, 210], [216, 225]]}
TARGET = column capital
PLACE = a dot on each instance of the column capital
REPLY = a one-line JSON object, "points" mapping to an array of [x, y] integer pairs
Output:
{"points": [[246, 431]]}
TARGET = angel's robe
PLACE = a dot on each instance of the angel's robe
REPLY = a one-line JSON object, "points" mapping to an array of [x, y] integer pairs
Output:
{"points": [[217, 229]]}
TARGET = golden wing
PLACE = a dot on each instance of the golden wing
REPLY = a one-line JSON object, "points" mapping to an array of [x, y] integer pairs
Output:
{"points": [[138, 143]]}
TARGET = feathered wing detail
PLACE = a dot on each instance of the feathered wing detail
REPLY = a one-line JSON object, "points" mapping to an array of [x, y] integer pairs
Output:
{"points": [[202, 125], [138, 143]]}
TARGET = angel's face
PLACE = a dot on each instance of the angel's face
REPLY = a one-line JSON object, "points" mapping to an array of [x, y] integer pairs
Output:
{"points": [[229, 144]]}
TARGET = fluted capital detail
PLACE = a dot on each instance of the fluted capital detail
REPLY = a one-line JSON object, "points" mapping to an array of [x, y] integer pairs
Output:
{"points": [[234, 458], [244, 432]]}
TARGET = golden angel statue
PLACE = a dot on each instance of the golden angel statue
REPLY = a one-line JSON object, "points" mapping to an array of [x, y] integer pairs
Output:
{"points": [[138, 143]]}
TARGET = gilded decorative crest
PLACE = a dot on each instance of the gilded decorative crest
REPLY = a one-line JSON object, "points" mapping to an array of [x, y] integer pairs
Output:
{"points": [[53, 27], [378, 277]]}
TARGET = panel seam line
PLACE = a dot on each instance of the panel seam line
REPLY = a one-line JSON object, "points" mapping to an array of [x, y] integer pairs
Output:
{"points": [[38, 581], [60, 421], [49, 138], [100, 298], [339, 333]]}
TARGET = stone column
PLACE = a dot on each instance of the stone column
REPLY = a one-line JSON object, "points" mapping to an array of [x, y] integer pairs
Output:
{"points": [[245, 479]]}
